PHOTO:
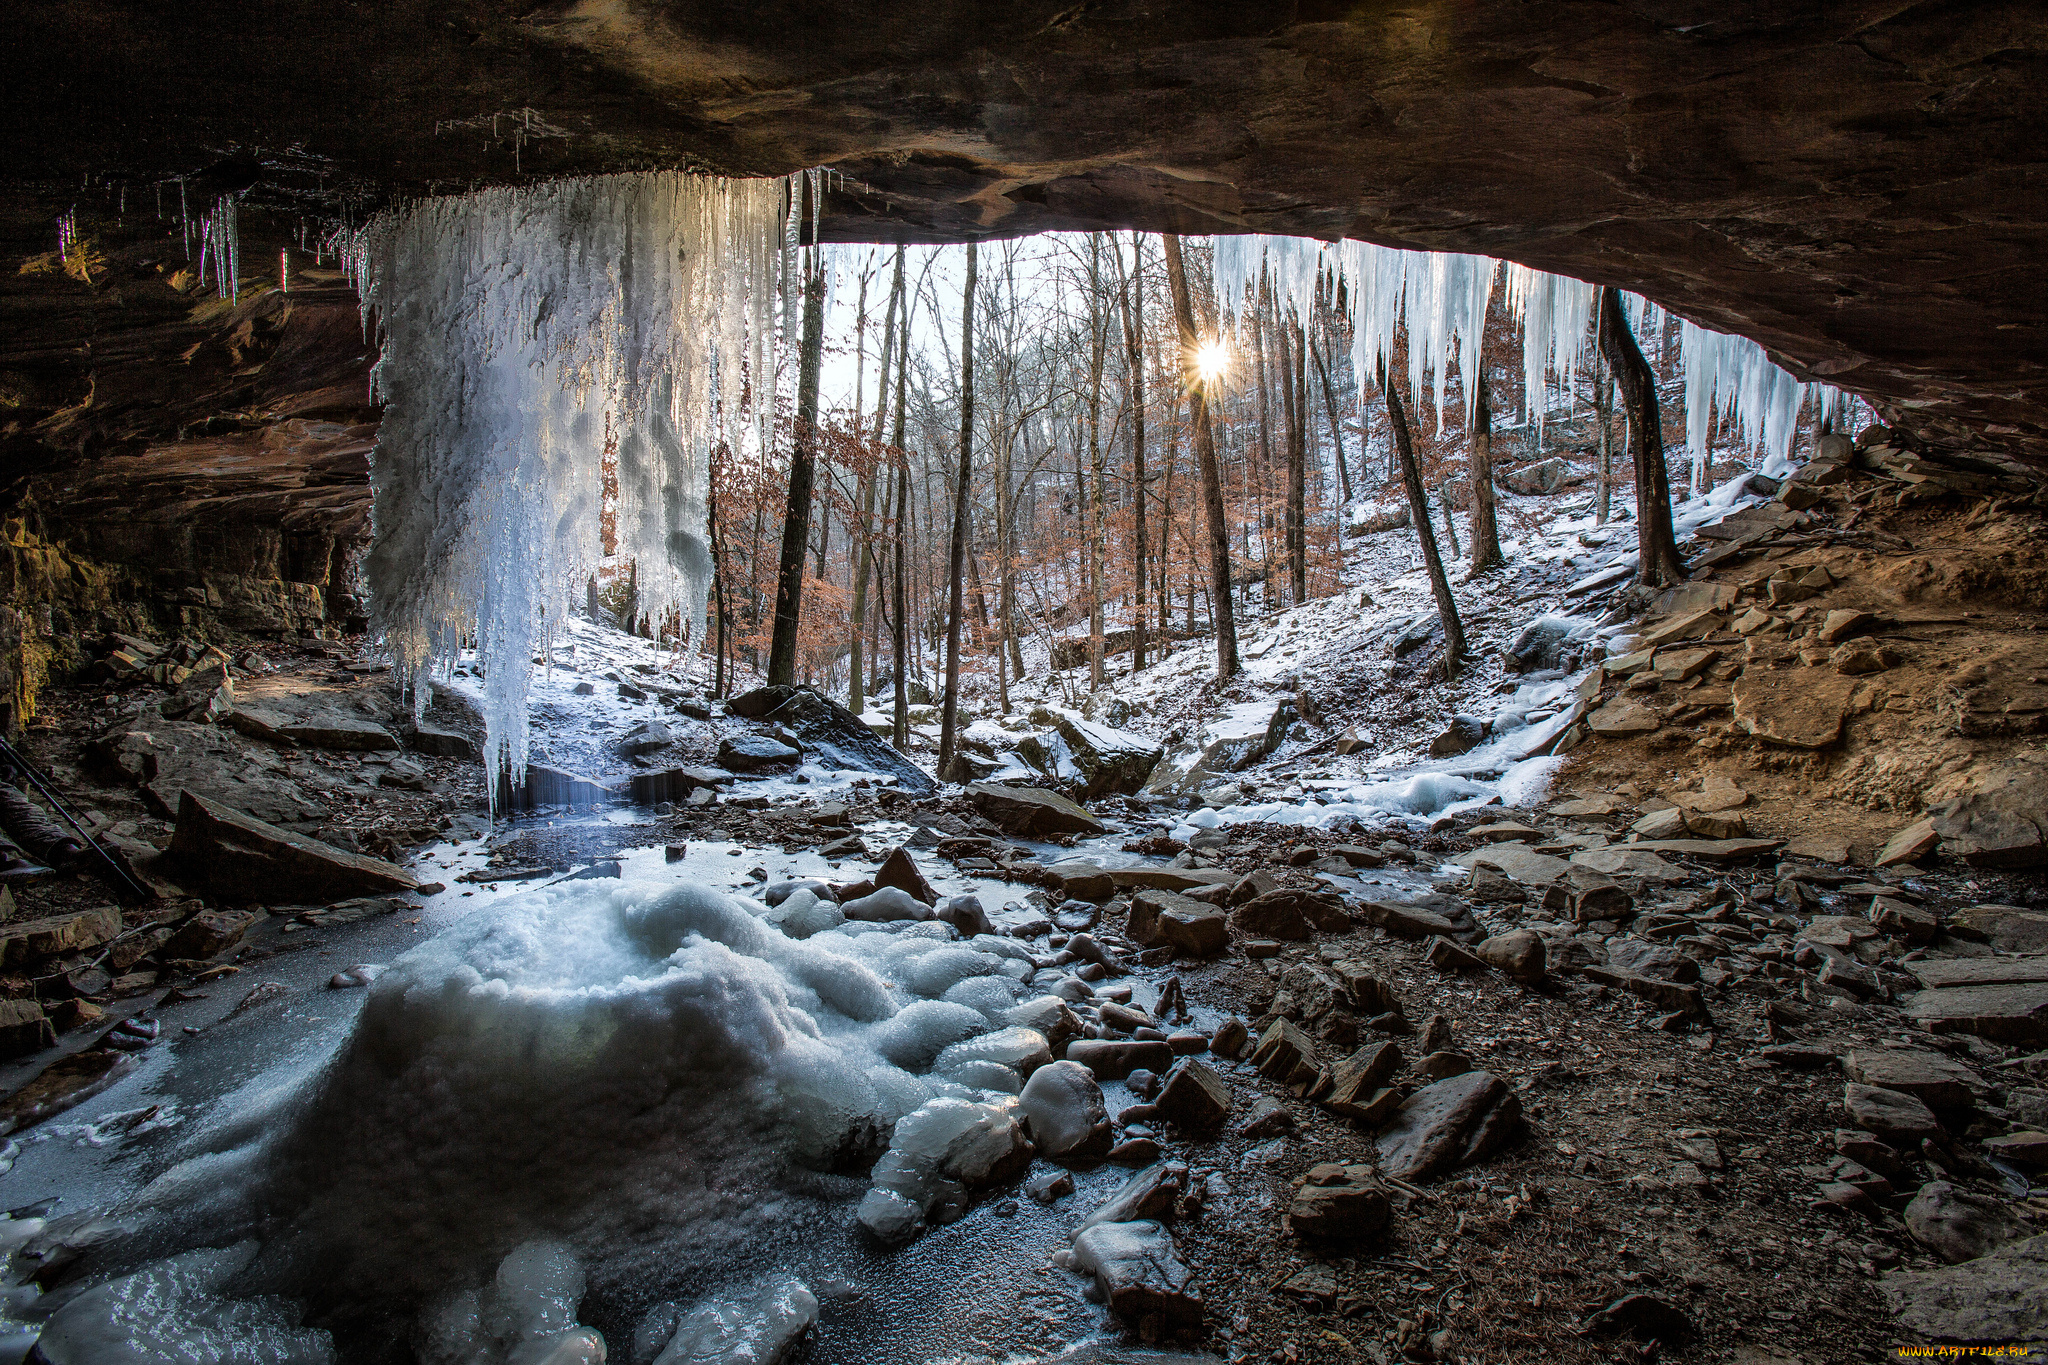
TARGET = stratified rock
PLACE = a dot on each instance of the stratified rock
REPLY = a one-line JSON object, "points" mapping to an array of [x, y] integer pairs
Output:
{"points": [[1935, 1080], [1910, 845], [25, 941], [755, 753], [1800, 708], [1625, 860], [242, 857], [1079, 880], [1407, 921], [336, 731], [2015, 1014], [1344, 1204], [1194, 1097], [1062, 1104], [1623, 717], [1448, 1124], [833, 736], [1956, 1225], [1889, 1114], [1998, 1297], [1138, 1274], [1031, 810], [209, 932], [24, 1029], [2003, 821], [1281, 914], [1287, 1055], [1165, 918]]}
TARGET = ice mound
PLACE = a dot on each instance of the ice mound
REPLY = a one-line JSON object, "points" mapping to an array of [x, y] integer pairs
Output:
{"points": [[946, 1148], [761, 1325], [526, 1315], [655, 1072], [174, 1312]]}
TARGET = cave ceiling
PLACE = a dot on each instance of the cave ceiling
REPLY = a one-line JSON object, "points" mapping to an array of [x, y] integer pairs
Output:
{"points": [[1858, 186]]}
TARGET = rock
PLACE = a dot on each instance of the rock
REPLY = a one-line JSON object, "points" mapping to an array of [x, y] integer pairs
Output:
{"points": [[1796, 708], [1661, 824], [1491, 886], [1998, 1297], [1049, 1187], [1685, 625], [890, 1217], [1049, 1016], [676, 784], [1624, 860], [965, 913], [755, 753], [1448, 1125], [1439, 1066], [208, 933], [336, 731], [205, 697], [25, 941], [1710, 850], [1112, 1060], [1956, 1225], [1840, 625], [1031, 810], [1355, 1080], [900, 870], [1081, 881], [1716, 827], [245, 858], [647, 737], [1596, 806], [2024, 1148], [24, 1029], [2007, 928], [2002, 823], [1350, 1208], [943, 1148], [1935, 1080], [1230, 1038], [1640, 957], [760, 1325], [886, 904], [1519, 861], [2015, 1013], [833, 736], [1022, 1050], [1911, 844], [1276, 914], [1643, 1317], [1623, 717], [1407, 921], [1447, 956], [1858, 660], [1663, 994], [1062, 1104], [1532, 480], [1518, 954], [1903, 921], [1110, 760], [1889, 1114], [1287, 1055], [1150, 1193], [67, 1081], [437, 742], [1135, 1268], [1459, 736], [1195, 1097], [1165, 918]]}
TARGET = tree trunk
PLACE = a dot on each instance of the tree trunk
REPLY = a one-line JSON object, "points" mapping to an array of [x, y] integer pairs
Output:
{"points": [[1290, 548], [789, 581], [717, 589], [1205, 453], [1336, 428], [949, 717], [899, 733], [1485, 528], [1418, 513], [1166, 518], [1659, 565], [1603, 413], [1133, 300], [1297, 470], [1098, 343], [864, 537]]}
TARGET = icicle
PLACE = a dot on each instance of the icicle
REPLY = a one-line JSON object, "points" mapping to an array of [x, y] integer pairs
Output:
{"points": [[519, 325], [1732, 380]]}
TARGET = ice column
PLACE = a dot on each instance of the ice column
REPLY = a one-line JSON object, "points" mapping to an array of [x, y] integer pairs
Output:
{"points": [[527, 334]]}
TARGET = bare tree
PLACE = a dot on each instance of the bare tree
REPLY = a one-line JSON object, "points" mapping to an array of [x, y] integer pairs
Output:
{"points": [[1659, 564], [789, 581], [863, 546], [1131, 300], [1205, 452], [1485, 528], [1418, 512], [956, 569]]}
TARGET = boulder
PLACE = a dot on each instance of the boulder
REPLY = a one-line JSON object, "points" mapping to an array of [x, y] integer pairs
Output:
{"points": [[243, 858], [438, 742], [1194, 1097], [1889, 1114], [1110, 760], [1518, 954], [1533, 480], [1956, 1225], [1079, 880], [1031, 810], [2002, 823], [647, 737], [833, 736], [886, 904], [1062, 1105], [901, 871], [676, 784], [1345, 1205], [1998, 1297], [1139, 1276], [762, 1324], [1448, 1125], [1462, 734], [755, 753], [24, 1028], [1408, 921]]}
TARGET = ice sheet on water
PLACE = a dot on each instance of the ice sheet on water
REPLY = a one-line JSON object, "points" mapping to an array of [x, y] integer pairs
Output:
{"points": [[177, 1311]]}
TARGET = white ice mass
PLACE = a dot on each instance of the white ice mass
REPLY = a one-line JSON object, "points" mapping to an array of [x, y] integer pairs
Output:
{"points": [[530, 334]]}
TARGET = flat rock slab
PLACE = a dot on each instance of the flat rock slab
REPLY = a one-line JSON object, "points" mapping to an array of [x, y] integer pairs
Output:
{"points": [[1930, 1077], [2009, 928], [2016, 1013], [1800, 708], [1031, 810], [2003, 823], [1137, 1272], [1519, 861], [1629, 860], [1589, 807], [1408, 921], [1449, 1124], [1979, 971], [2002, 1297], [1168, 878], [241, 856], [26, 940], [1712, 850], [1621, 718]]}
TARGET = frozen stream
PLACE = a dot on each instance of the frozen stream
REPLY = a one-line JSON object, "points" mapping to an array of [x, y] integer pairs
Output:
{"points": [[385, 1148]]}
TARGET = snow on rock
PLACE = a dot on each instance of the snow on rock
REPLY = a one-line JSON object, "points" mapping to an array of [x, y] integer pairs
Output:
{"points": [[177, 1310], [757, 1325]]}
